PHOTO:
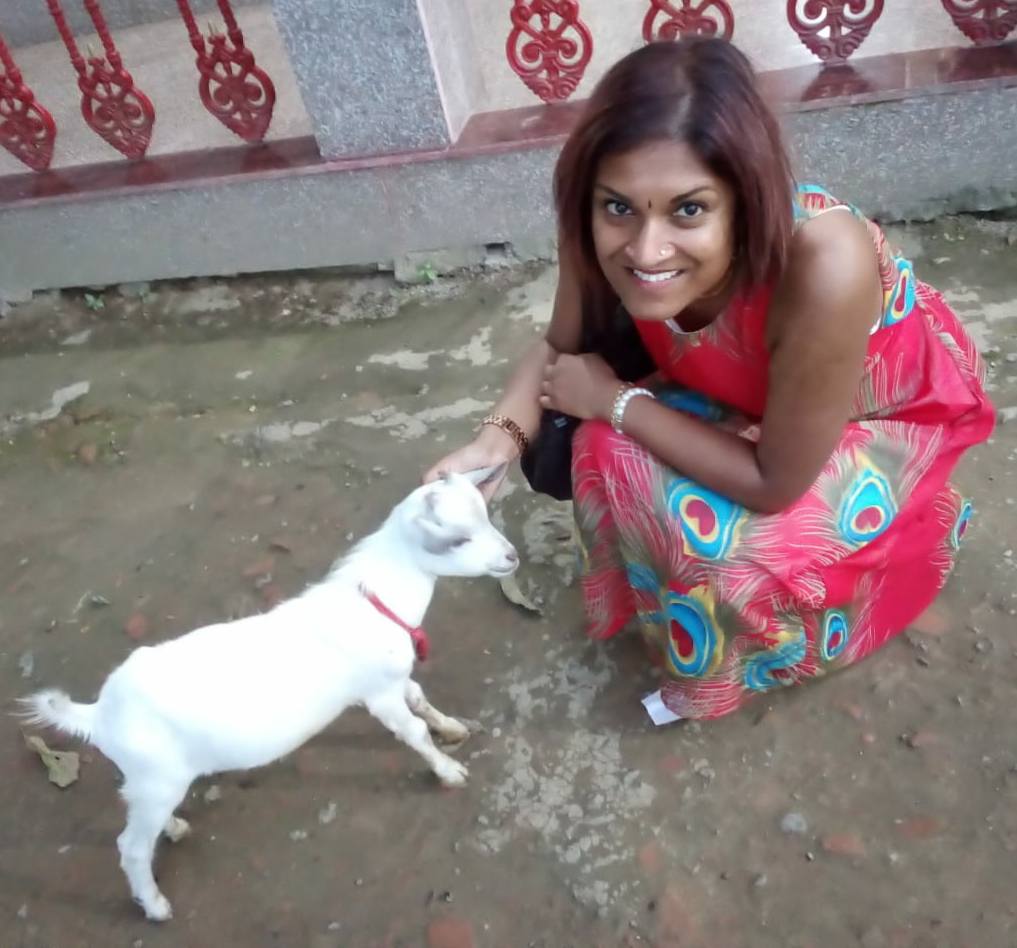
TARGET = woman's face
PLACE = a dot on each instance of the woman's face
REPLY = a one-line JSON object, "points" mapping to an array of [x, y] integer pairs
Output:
{"points": [[663, 229]]}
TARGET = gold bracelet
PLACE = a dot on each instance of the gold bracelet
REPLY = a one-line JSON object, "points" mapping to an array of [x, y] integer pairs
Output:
{"points": [[510, 428]]}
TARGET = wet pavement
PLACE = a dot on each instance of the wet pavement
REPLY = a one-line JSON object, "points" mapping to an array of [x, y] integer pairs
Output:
{"points": [[173, 457]]}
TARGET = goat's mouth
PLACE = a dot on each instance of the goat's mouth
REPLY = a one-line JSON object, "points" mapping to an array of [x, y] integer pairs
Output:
{"points": [[503, 570]]}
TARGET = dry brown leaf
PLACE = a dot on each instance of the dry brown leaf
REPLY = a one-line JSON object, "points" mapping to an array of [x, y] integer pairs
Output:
{"points": [[515, 595], [62, 766]]}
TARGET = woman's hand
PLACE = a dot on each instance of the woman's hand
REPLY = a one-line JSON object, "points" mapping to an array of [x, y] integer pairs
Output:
{"points": [[583, 386], [491, 448]]}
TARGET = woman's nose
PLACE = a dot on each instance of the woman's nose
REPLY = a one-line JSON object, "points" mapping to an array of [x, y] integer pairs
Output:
{"points": [[651, 248]]}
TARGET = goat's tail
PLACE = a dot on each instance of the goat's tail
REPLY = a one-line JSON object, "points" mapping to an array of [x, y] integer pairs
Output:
{"points": [[55, 709]]}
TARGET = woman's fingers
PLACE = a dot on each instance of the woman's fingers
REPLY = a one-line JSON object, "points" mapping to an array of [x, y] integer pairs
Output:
{"points": [[433, 474]]}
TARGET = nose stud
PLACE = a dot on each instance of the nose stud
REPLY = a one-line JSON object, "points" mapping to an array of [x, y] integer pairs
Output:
{"points": [[666, 251]]}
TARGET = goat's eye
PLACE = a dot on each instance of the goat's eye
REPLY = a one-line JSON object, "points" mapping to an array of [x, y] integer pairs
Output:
{"points": [[459, 541]]}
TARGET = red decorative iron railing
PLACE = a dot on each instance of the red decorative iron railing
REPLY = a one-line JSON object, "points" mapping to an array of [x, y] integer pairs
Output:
{"points": [[549, 47], [845, 24], [27, 130], [667, 20], [232, 86], [984, 22], [111, 105]]}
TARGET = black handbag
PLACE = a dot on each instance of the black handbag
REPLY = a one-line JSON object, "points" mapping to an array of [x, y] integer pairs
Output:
{"points": [[547, 462]]}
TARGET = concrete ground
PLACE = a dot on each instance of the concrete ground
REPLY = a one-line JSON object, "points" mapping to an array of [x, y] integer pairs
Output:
{"points": [[197, 451]]}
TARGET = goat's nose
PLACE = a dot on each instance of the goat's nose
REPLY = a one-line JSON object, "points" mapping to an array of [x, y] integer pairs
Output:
{"points": [[513, 557]]}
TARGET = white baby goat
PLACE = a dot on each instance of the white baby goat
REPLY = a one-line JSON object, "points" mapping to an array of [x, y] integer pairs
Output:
{"points": [[242, 694]]}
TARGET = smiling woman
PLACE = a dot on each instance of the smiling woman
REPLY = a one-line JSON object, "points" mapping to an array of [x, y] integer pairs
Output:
{"points": [[780, 505], [664, 254]]}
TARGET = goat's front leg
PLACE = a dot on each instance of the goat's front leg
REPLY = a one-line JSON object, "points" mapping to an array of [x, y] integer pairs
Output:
{"points": [[391, 709], [448, 729]]}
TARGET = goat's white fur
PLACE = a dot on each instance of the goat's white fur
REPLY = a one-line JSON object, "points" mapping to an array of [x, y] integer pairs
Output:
{"points": [[241, 694]]}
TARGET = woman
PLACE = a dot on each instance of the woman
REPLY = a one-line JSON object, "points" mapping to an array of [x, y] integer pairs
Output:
{"points": [[786, 509]]}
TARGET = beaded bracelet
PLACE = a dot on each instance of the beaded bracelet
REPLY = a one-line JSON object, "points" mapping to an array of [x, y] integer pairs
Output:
{"points": [[621, 402], [510, 428]]}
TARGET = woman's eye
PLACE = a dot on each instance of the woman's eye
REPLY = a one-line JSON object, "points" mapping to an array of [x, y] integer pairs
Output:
{"points": [[616, 208], [689, 210]]}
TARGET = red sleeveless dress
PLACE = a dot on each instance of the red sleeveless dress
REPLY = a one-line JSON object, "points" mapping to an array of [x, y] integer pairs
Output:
{"points": [[733, 603]]}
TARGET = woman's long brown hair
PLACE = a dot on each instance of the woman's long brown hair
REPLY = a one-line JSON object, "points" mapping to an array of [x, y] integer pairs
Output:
{"points": [[700, 91]]}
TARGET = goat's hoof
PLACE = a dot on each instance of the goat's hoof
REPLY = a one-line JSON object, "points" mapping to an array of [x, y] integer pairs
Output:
{"points": [[452, 773], [453, 732], [159, 909], [177, 829]]}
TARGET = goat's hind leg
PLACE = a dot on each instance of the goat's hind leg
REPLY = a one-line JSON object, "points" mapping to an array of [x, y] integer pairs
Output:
{"points": [[392, 710], [448, 729], [150, 809]]}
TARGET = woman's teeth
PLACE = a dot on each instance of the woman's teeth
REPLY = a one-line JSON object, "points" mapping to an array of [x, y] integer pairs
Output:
{"points": [[659, 277]]}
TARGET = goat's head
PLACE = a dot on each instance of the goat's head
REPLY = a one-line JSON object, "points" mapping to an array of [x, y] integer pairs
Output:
{"points": [[456, 536]]}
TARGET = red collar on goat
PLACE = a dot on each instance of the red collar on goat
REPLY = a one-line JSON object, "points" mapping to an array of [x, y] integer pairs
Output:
{"points": [[421, 644]]}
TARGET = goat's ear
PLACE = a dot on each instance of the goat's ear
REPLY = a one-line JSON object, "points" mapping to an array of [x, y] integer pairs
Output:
{"points": [[430, 513], [482, 475], [434, 533]]}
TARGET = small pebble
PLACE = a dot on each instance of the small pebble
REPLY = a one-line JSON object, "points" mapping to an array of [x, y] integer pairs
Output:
{"points": [[298, 835], [27, 664], [703, 768], [87, 453], [794, 823]]}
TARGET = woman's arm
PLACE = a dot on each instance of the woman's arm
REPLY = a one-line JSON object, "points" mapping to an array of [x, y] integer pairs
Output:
{"points": [[519, 401], [820, 319]]}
